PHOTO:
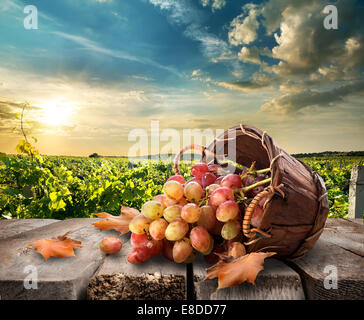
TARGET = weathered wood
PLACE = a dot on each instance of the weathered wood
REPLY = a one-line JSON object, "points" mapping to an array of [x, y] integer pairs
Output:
{"points": [[276, 282], [9, 228], [356, 193], [321, 262], [345, 234], [58, 278], [156, 279]]}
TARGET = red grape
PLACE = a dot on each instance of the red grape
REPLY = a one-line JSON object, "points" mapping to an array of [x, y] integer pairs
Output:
{"points": [[177, 229], [138, 239], [214, 167], [207, 179], [230, 229], [111, 245], [139, 255], [198, 180], [207, 218], [172, 212], [236, 249], [178, 178], [228, 210], [191, 213], [155, 247], [173, 190], [199, 169], [182, 249], [200, 239], [219, 179], [193, 191], [158, 228], [139, 224], [211, 188], [257, 217], [221, 195], [167, 249], [232, 181]]}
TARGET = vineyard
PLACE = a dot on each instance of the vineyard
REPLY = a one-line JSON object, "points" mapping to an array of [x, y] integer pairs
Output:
{"points": [[69, 187]]}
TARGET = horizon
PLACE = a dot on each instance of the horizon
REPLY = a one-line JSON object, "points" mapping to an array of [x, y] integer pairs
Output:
{"points": [[95, 70]]}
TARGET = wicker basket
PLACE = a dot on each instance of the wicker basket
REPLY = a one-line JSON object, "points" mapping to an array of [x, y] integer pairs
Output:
{"points": [[296, 211]]}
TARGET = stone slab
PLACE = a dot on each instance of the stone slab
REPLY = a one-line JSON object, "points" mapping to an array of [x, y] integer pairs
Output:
{"points": [[276, 282], [13, 227], [58, 278]]}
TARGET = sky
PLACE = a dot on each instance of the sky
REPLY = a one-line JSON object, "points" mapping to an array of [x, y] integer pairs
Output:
{"points": [[95, 70]]}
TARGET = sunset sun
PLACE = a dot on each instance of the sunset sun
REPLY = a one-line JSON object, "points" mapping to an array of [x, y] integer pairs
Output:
{"points": [[56, 113]]}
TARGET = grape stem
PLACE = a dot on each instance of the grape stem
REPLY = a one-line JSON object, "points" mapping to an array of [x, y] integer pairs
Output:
{"points": [[263, 171], [259, 183]]}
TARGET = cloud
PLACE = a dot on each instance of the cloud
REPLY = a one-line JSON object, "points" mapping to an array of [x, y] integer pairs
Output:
{"points": [[93, 46], [215, 4], [249, 55], [292, 102], [243, 29]]}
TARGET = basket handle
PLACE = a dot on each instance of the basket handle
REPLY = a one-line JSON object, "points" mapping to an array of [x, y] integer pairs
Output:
{"points": [[202, 149]]}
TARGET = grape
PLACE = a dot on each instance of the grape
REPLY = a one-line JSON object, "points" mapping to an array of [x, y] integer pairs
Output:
{"points": [[207, 179], [172, 212], [232, 181], [200, 239], [216, 230], [255, 191], [139, 255], [236, 249], [199, 169], [214, 167], [211, 188], [193, 191], [176, 230], [191, 213], [158, 228], [139, 224], [230, 229], [178, 178], [164, 200], [152, 209], [191, 257], [207, 218], [218, 180], [173, 190], [182, 249], [209, 250], [228, 210], [194, 179], [182, 202], [257, 217], [155, 247], [111, 245], [138, 239], [247, 181], [167, 250], [221, 195]]}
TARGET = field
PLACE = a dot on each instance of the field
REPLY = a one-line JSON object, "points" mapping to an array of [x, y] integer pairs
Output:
{"points": [[67, 187]]}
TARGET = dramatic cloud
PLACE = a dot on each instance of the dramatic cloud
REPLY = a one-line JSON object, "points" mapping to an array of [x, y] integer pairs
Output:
{"points": [[215, 4], [249, 55]]}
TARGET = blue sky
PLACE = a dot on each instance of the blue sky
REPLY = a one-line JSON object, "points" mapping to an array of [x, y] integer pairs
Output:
{"points": [[96, 69]]}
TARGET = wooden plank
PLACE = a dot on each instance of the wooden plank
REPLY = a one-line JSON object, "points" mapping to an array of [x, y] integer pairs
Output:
{"points": [[156, 279], [276, 282], [58, 278], [12, 227], [345, 234], [318, 266]]}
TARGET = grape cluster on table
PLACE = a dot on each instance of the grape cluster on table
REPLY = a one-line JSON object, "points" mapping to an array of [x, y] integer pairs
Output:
{"points": [[201, 215]]}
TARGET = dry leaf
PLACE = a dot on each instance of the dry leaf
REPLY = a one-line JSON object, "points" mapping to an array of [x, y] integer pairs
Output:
{"points": [[231, 272], [118, 223], [56, 247]]}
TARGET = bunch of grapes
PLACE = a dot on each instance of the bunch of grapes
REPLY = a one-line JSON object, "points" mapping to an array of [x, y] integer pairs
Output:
{"points": [[201, 215]]}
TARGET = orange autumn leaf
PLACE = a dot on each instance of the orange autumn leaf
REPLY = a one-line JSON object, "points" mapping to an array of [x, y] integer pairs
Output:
{"points": [[56, 247], [233, 271], [118, 223]]}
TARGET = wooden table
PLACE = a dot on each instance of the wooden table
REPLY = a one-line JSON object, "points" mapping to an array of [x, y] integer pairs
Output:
{"points": [[94, 275]]}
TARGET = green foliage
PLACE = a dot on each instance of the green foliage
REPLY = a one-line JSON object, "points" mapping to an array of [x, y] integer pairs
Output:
{"points": [[68, 187]]}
